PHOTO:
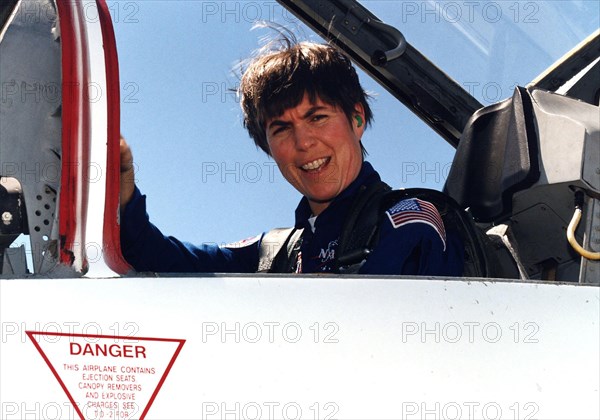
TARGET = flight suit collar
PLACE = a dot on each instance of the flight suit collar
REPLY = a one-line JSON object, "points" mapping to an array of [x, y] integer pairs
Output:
{"points": [[366, 176]]}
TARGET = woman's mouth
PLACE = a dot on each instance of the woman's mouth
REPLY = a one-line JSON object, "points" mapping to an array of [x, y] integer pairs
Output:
{"points": [[315, 165]]}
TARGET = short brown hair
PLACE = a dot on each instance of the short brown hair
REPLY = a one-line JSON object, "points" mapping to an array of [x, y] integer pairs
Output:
{"points": [[278, 80]]}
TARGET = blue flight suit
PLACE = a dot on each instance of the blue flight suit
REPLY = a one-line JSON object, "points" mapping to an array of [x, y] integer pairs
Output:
{"points": [[413, 241]]}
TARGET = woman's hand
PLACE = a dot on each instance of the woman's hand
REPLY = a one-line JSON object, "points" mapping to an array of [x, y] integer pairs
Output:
{"points": [[127, 174]]}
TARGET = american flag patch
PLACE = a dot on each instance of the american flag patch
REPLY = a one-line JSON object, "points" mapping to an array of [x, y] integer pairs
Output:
{"points": [[414, 210]]}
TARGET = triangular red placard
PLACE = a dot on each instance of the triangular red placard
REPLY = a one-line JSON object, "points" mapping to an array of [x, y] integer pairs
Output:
{"points": [[108, 376]]}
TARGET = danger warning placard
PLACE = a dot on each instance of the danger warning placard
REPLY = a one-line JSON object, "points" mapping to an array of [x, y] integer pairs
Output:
{"points": [[108, 377]]}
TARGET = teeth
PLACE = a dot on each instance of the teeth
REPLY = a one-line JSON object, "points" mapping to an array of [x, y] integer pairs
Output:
{"points": [[315, 164]]}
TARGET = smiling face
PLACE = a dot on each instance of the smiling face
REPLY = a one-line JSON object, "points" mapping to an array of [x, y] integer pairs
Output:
{"points": [[316, 149]]}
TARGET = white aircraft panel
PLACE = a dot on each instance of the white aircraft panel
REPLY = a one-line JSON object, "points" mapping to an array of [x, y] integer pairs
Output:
{"points": [[262, 347]]}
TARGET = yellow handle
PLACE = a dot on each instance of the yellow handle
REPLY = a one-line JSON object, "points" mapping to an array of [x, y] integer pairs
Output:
{"points": [[571, 238]]}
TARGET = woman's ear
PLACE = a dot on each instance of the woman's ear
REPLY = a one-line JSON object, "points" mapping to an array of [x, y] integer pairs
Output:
{"points": [[358, 120]]}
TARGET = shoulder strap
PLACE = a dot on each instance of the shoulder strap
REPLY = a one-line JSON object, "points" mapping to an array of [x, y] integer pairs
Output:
{"points": [[278, 250], [271, 243], [360, 228]]}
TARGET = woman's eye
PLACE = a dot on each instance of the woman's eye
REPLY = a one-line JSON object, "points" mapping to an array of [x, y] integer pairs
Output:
{"points": [[280, 130]]}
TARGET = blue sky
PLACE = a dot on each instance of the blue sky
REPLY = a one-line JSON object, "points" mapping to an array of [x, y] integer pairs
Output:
{"points": [[204, 178]]}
